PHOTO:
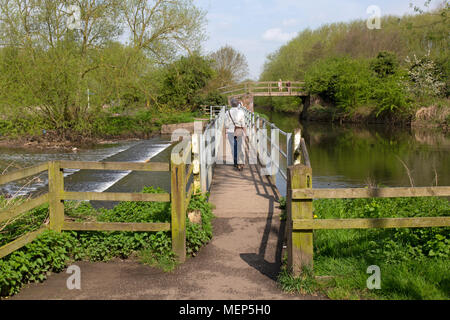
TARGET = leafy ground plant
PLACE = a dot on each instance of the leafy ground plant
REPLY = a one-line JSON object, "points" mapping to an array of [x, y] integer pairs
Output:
{"points": [[414, 262], [52, 251]]}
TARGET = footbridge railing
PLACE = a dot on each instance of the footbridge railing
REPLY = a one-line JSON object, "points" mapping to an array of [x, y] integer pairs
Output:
{"points": [[288, 160], [269, 146], [266, 88]]}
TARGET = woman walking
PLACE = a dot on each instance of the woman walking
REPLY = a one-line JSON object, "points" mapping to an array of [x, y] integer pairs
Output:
{"points": [[236, 131]]}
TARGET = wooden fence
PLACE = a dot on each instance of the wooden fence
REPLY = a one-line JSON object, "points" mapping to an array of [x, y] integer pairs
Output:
{"points": [[299, 205], [181, 171]]}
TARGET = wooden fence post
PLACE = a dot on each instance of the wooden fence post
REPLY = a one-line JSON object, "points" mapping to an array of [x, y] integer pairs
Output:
{"points": [[55, 188], [178, 219], [300, 243]]}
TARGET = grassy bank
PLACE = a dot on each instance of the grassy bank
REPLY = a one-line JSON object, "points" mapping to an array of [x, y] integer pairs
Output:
{"points": [[52, 252], [414, 263], [103, 125]]}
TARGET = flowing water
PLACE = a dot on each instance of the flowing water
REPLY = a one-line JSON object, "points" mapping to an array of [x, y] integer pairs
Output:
{"points": [[361, 155], [90, 180]]}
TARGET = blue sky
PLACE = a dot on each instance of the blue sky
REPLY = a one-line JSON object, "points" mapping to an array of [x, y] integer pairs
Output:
{"points": [[259, 27]]}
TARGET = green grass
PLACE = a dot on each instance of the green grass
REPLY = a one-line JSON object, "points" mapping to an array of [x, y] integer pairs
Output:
{"points": [[414, 263]]}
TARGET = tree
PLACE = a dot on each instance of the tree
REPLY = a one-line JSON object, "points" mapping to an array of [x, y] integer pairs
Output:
{"points": [[230, 65], [163, 27], [53, 64], [183, 81]]}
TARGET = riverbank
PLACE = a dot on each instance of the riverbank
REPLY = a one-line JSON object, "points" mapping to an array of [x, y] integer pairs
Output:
{"points": [[49, 142], [435, 116], [34, 133], [119, 130]]}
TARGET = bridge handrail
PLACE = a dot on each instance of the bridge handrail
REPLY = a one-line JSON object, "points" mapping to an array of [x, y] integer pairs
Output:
{"points": [[267, 86]]}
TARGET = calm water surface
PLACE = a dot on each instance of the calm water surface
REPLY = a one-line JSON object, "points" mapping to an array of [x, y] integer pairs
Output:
{"points": [[358, 155]]}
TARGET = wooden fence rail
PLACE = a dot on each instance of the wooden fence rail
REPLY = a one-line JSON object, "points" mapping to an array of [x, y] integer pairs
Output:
{"points": [[181, 172], [300, 221]]}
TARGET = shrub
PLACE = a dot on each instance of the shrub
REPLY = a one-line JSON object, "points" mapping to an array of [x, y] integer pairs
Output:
{"points": [[385, 64], [343, 81], [425, 77]]}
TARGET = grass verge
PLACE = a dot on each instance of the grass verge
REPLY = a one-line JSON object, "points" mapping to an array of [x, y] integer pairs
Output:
{"points": [[414, 262]]}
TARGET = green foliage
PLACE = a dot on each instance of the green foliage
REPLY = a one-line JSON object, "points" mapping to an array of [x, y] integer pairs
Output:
{"points": [[351, 66], [199, 235], [28, 222], [343, 81], [62, 79], [412, 260], [183, 81], [51, 252], [212, 98], [20, 126], [385, 64], [283, 215], [350, 83]]}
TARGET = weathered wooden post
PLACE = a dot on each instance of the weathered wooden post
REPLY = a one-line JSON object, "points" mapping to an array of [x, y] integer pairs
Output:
{"points": [[56, 188], [289, 150], [300, 242], [203, 159], [178, 206], [196, 161]]}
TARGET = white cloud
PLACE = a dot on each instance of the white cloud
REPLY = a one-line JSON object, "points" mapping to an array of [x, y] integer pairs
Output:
{"points": [[276, 34], [290, 22]]}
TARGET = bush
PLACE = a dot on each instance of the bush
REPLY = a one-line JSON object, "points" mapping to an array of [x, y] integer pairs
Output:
{"points": [[183, 80], [425, 77], [385, 64], [350, 83], [343, 81]]}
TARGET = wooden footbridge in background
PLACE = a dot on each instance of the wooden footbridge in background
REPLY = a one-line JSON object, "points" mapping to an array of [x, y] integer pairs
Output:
{"points": [[266, 89], [246, 91]]}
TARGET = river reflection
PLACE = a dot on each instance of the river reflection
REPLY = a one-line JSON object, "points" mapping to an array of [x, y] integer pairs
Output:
{"points": [[358, 155]]}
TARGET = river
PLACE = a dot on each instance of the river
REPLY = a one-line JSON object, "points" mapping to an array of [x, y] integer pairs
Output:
{"points": [[351, 155], [341, 156]]}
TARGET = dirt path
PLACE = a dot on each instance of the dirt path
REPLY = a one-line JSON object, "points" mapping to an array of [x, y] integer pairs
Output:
{"points": [[241, 262]]}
